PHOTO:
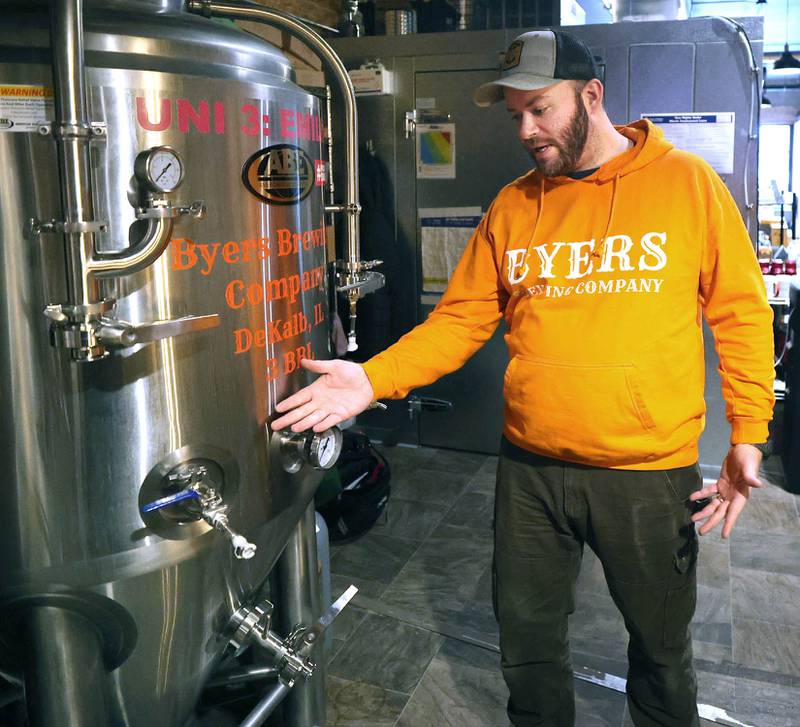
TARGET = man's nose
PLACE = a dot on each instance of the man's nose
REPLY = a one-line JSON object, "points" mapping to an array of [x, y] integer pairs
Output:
{"points": [[527, 127]]}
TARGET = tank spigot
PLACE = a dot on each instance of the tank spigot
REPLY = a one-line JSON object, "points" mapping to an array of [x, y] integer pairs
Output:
{"points": [[212, 509], [351, 336], [355, 280]]}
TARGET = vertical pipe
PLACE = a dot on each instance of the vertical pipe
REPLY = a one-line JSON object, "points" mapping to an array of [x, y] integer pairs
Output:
{"points": [[65, 679], [299, 602], [334, 64], [72, 131]]}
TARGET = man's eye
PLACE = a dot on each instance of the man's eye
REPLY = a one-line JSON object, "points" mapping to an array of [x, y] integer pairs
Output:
{"points": [[539, 111], [516, 118]]}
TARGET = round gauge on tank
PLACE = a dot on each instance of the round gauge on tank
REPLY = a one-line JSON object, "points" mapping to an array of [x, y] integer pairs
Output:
{"points": [[324, 448], [159, 169]]}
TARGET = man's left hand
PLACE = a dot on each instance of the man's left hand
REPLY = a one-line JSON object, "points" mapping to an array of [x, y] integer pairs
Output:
{"points": [[730, 493]]}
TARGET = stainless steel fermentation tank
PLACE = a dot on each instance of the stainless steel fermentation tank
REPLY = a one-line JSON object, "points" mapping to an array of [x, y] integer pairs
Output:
{"points": [[153, 373]]}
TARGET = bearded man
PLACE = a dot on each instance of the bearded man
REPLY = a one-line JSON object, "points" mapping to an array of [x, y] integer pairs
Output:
{"points": [[601, 261]]}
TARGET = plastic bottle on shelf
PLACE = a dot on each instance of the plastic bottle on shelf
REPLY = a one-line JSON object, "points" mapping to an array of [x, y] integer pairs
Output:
{"points": [[791, 258], [764, 253]]}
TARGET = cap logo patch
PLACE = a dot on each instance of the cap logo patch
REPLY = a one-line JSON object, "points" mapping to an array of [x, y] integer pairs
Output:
{"points": [[513, 55]]}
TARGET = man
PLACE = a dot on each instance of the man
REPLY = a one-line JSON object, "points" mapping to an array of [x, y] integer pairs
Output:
{"points": [[601, 262]]}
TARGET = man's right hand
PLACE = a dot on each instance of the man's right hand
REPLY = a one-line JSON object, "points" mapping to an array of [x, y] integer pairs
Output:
{"points": [[342, 391]]}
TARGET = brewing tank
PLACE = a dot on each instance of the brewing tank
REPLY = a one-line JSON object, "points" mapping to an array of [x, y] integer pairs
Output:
{"points": [[211, 115]]}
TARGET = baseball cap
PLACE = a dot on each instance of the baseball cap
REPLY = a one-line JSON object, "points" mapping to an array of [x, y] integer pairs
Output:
{"points": [[538, 59]]}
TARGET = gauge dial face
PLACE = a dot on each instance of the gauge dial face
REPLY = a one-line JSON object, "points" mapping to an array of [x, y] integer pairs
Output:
{"points": [[165, 169], [328, 446], [159, 169]]}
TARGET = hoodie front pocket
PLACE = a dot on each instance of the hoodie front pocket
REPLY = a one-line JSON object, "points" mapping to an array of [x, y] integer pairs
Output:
{"points": [[582, 412]]}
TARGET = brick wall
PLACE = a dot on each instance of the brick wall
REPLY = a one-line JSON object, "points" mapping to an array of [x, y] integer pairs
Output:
{"points": [[305, 62]]}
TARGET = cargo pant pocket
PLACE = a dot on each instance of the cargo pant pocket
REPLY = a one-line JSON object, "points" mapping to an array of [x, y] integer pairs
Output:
{"points": [[681, 597]]}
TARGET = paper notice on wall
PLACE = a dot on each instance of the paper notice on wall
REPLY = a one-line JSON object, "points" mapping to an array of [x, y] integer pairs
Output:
{"points": [[709, 135], [436, 151], [445, 232], [25, 108]]}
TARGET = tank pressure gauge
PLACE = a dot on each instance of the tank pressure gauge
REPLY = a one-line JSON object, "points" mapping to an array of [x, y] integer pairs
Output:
{"points": [[159, 169]]}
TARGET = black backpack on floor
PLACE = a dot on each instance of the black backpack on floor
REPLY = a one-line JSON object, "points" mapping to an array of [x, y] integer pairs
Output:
{"points": [[364, 475]]}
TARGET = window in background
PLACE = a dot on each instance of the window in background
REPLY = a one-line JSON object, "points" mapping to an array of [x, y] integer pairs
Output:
{"points": [[795, 179], [774, 160]]}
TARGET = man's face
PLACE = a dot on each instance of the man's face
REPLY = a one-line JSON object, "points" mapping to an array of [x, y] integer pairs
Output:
{"points": [[552, 124]]}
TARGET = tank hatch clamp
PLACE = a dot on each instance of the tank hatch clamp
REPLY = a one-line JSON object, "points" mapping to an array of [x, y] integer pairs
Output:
{"points": [[164, 209], [88, 332], [290, 656], [202, 501]]}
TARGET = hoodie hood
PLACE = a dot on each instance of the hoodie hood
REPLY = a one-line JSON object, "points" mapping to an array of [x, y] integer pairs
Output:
{"points": [[648, 145]]}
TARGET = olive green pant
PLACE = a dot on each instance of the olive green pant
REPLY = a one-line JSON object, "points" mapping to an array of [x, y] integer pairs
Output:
{"points": [[638, 523]]}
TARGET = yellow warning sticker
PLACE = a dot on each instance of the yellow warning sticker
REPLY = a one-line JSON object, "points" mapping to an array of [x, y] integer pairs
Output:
{"points": [[25, 108]]}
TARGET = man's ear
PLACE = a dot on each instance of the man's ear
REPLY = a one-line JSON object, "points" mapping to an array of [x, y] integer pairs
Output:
{"points": [[593, 94]]}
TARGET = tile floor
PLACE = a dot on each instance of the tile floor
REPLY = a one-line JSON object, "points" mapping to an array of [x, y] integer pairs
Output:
{"points": [[417, 648]]}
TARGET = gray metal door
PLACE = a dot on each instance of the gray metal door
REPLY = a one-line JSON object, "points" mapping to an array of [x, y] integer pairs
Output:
{"points": [[488, 156]]}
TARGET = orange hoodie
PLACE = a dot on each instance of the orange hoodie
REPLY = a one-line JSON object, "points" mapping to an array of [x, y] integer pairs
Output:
{"points": [[602, 282]]}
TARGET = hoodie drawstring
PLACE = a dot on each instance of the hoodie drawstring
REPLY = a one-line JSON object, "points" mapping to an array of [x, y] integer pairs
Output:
{"points": [[599, 251], [535, 225]]}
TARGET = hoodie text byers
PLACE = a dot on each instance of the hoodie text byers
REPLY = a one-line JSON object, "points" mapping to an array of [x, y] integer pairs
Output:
{"points": [[602, 283]]}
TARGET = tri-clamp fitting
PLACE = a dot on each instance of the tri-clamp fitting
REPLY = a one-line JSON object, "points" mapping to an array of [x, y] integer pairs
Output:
{"points": [[202, 501], [290, 655]]}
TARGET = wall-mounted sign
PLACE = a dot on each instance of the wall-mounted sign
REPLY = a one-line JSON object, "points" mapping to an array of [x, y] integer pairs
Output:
{"points": [[444, 232], [436, 151], [709, 135]]}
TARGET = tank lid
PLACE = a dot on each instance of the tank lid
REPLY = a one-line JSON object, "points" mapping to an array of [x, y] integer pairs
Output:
{"points": [[151, 35]]}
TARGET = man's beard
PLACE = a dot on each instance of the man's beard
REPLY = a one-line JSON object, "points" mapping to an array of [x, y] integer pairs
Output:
{"points": [[570, 147]]}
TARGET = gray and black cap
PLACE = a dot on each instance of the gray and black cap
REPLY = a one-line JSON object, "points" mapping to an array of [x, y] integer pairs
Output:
{"points": [[538, 59]]}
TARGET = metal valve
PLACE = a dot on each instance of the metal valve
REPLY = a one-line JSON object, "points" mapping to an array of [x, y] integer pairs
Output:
{"points": [[89, 331], [290, 655], [210, 506], [121, 334]]}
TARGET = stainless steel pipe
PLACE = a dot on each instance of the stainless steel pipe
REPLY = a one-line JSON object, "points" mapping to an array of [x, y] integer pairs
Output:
{"points": [[72, 131], [260, 14], [245, 675], [65, 678], [266, 706], [299, 601]]}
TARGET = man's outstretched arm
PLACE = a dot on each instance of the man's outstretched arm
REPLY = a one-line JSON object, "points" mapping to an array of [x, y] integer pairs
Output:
{"points": [[464, 320]]}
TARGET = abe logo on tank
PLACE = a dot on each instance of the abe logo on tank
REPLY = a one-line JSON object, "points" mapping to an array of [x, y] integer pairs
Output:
{"points": [[279, 174]]}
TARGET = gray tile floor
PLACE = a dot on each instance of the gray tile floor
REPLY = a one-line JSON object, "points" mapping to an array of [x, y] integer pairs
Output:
{"points": [[417, 648]]}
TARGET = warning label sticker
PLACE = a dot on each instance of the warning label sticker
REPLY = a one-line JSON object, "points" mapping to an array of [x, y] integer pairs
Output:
{"points": [[25, 108]]}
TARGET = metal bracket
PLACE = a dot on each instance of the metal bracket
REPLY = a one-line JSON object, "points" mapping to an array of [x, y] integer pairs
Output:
{"points": [[95, 130], [362, 280], [410, 123], [418, 404], [196, 209], [352, 209], [35, 227]]}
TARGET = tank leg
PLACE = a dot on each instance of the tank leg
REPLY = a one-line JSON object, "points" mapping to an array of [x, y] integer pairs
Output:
{"points": [[300, 602], [65, 678]]}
